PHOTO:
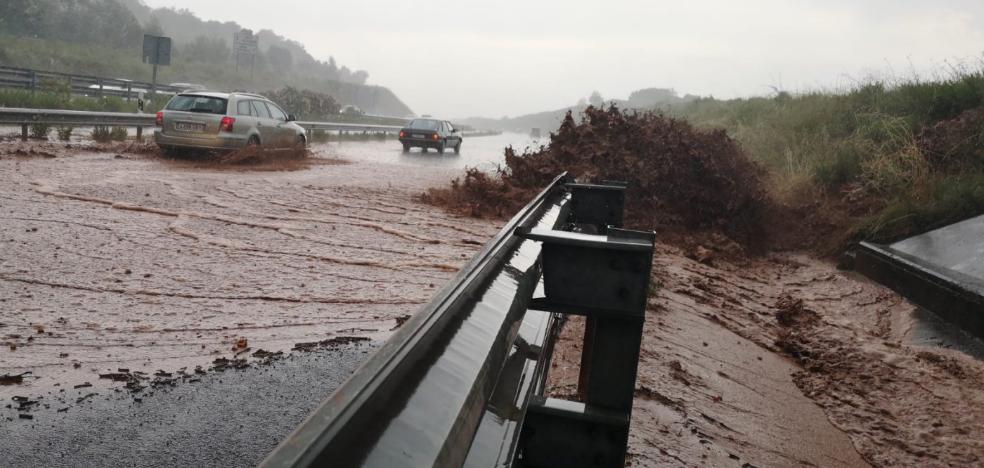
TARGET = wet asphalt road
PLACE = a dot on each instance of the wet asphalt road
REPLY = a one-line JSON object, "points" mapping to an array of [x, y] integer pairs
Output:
{"points": [[228, 419]]}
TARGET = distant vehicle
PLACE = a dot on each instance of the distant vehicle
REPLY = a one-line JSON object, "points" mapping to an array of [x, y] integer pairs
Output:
{"points": [[351, 110], [188, 87], [430, 133], [225, 121], [117, 88]]}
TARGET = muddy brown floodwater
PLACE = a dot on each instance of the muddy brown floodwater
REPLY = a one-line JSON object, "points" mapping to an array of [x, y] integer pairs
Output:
{"points": [[121, 267], [114, 261], [785, 361]]}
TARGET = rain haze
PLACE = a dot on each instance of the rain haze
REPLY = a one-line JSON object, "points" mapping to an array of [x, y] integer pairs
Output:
{"points": [[391, 233], [460, 59]]}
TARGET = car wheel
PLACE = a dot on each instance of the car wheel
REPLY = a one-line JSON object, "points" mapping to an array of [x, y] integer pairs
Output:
{"points": [[253, 141], [406, 148], [457, 148], [300, 142]]}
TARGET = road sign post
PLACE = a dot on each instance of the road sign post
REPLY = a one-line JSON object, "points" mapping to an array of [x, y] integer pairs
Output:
{"points": [[156, 51], [245, 46]]}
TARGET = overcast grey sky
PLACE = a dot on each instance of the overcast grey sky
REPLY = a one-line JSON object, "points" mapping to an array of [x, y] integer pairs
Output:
{"points": [[510, 57]]}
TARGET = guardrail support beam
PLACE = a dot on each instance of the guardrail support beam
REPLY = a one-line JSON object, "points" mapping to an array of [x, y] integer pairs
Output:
{"points": [[598, 206], [24, 132], [606, 278], [560, 433]]}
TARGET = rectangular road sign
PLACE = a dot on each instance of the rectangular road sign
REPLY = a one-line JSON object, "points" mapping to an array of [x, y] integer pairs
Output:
{"points": [[156, 50]]}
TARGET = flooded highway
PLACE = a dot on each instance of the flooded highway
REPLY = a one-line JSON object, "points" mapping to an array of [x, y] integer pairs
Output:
{"points": [[484, 152], [114, 260], [195, 312]]}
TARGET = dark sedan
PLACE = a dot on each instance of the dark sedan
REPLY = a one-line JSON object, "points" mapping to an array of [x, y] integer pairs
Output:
{"points": [[430, 133]]}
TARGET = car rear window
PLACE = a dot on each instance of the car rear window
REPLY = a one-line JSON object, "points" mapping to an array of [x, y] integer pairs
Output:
{"points": [[243, 108], [424, 124], [203, 104], [260, 109]]}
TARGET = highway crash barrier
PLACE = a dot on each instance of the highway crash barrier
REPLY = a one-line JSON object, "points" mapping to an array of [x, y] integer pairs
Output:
{"points": [[462, 382], [27, 117]]}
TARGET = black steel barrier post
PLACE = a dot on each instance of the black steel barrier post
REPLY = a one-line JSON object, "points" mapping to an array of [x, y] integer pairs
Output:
{"points": [[606, 279], [594, 208]]}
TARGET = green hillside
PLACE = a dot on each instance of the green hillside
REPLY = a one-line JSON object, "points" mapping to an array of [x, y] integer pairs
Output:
{"points": [[879, 161], [104, 37]]}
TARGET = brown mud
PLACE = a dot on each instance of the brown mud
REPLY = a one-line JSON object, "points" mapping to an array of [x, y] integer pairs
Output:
{"points": [[785, 361], [114, 257], [680, 178]]}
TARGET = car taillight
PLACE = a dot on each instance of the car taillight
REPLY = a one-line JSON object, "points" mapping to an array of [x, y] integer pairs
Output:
{"points": [[435, 137], [160, 119], [402, 134], [226, 124]]}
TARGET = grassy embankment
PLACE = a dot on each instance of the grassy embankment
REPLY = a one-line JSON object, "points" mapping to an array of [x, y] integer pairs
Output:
{"points": [[64, 100], [116, 62], [879, 162]]}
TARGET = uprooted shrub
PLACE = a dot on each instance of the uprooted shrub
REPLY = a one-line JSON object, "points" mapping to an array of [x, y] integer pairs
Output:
{"points": [[118, 134], [39, 131], [64, 133], [678, 176], [102, 134], [955, 143]]}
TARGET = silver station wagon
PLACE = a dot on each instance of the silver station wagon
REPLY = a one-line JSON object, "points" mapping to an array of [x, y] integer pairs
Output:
{"points": [[225, 121]]}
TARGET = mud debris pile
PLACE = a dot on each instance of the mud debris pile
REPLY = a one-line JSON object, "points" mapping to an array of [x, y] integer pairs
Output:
{"points": [[680, 177]]}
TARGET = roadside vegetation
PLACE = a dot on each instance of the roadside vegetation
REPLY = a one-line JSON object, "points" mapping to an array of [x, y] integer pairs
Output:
{"points": [[879, 162], [64, 100], [104, 38]]}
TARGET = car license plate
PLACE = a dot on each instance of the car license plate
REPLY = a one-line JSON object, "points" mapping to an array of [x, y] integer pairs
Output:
{"points": [[419, 135], [189, 127]]}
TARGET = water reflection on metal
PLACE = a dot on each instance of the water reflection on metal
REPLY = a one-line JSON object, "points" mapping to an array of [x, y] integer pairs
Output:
{"points": [[521, 377], [420, 400], [438, 400], [958, 247]]}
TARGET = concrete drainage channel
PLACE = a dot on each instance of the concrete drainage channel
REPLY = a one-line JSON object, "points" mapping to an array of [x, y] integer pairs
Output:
{"points": [[461, 384], [942, 271]]}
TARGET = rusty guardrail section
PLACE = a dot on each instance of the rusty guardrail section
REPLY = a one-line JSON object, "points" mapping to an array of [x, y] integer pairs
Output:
{"points": [[461, 383]]}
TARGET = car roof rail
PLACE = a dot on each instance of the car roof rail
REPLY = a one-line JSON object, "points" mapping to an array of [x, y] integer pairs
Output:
{"points": [[256, 95]]}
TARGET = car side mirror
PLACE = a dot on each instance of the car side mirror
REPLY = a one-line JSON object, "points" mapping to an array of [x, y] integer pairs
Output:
{"points": [[291, 117]]}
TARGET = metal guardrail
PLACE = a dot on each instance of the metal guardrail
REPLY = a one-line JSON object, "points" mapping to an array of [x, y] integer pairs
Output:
{"points": [[21, 116], [26, 117], [348, 127], [25, 78], [70, 118], [461, 383]]}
